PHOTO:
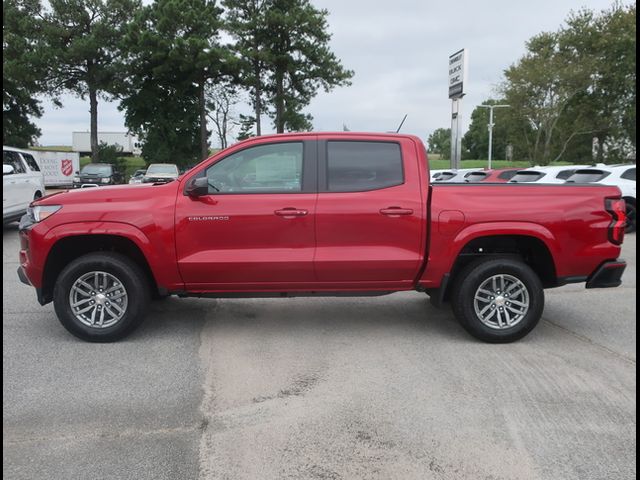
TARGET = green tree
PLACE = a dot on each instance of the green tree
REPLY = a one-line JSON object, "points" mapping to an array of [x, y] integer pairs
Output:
{"points": [[23, 69], [82, 43], [301, 61], [506, 131], [246, 127], [173, 57], [440, 142], [246, 22], [577, 83]]}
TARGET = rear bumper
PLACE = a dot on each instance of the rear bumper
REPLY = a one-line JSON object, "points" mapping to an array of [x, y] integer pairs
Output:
{"points": [[23, 276], [607, 275]]}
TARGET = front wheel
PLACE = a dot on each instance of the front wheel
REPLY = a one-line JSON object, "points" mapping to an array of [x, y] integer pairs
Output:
{"points": [[101, 297], [498, 300]]}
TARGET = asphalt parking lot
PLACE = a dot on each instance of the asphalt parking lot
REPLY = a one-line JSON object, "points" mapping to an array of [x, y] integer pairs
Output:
{"points": [[364, 388]]}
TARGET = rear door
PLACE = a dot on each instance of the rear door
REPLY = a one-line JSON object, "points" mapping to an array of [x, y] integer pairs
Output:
{"points": [[370, 227], [254, 231]]}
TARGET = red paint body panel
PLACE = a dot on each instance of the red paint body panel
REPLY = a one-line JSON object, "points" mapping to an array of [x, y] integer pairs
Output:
{"points": [[571, 222], [344, 242], [360, 240]]}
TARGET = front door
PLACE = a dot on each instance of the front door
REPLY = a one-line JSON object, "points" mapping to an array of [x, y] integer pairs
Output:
{"points": [[254, 231]]}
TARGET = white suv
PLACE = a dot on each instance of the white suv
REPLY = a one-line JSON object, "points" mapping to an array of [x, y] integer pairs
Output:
{"points": [[552, 174], [22, 182], [621, 176]]}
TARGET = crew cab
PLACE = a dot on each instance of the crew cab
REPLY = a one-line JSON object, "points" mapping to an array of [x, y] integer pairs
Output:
{"points": [[319, 214]]}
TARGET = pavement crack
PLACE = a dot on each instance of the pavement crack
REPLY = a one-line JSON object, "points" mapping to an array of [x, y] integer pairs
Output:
{"points": [[10, 440], [589, 341]]}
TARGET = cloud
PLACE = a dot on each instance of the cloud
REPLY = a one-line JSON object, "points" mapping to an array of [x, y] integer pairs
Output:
{"points": [[399, 52]]}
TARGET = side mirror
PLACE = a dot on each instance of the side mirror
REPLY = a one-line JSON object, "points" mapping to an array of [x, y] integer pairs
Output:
{"points": [[7, 169], [197, 187]]}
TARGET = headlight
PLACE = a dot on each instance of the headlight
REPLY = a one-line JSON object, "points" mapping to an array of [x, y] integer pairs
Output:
{"points": [[106, 180], [40, 212], [76, 179]]}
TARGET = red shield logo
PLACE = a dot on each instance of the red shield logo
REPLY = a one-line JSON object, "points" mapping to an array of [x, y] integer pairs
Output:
{"points": [[67, 167]]}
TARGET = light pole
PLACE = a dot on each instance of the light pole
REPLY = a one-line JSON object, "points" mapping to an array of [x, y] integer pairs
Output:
{"points": [[490, 126]]}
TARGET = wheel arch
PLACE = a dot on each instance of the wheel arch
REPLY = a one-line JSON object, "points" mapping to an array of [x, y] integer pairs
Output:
{"points": [[68, 248]]}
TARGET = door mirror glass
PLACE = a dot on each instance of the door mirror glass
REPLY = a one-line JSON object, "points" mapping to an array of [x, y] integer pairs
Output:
{"points": [[197, 187], [7, 169]]}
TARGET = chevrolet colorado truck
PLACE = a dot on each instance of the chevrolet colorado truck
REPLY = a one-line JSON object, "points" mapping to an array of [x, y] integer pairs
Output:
{"points": [[319, 214]]}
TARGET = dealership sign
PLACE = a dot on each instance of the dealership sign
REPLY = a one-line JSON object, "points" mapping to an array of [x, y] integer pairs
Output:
{"points": [[457, 73]]}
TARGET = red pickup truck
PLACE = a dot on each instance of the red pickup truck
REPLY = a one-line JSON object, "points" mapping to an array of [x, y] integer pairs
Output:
{"points": [[319, 214]]}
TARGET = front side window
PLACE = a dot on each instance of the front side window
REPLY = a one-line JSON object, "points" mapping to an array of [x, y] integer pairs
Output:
{"points": [[33, 165], [359, 166], [274, 168], [13, 159]]}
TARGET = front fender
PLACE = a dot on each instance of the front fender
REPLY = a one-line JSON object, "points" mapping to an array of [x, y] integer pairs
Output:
{"points": [[161, 263]]}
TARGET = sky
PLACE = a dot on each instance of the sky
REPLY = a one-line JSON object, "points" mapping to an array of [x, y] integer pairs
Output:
{"points": [[399, 52]]}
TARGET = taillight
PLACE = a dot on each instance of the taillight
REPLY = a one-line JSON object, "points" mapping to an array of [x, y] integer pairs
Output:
{"points": [[617, 208]]}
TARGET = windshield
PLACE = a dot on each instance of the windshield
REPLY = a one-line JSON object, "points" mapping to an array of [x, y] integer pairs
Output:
{"points": [[96, 169], [162, 169]]}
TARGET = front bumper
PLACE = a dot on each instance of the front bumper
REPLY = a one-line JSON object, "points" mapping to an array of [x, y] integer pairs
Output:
{"points": [[607, 275]]}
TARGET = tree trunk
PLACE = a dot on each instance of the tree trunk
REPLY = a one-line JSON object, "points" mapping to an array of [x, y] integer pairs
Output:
{"points": [[93, 111], [204, 145], [257, 100], [279, 101]]}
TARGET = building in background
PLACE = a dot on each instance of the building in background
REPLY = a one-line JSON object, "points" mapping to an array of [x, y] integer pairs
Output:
{"points": [[81, 142]]}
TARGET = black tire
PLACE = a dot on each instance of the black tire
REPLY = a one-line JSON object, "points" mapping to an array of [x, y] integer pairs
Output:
{"points": [[631, 217], [126, 272], [469, 280]]}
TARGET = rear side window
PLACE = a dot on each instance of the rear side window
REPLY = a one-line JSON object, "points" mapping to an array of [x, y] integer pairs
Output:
{"points": [[475, 177], [564, 174], [588, 176], [13, 159], [629, 174], [360, 166], [508, 175], [445, 176], [33, 165], [524, 177]]}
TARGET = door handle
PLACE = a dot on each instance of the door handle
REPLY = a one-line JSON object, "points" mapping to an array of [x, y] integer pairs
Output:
{"points": [[396, 211], [291, 212]]}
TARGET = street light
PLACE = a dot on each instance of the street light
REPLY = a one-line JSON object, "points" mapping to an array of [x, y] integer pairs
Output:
{"points": [[490, 126]]}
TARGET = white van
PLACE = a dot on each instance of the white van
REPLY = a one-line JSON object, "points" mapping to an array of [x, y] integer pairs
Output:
{"points": [[22, 182]]}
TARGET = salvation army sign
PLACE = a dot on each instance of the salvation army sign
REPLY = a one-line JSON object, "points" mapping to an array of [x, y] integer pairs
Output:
{"points": [[66, 167]]}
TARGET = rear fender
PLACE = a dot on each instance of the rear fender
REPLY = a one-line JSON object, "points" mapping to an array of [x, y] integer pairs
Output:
{"points": [[444, 251]]}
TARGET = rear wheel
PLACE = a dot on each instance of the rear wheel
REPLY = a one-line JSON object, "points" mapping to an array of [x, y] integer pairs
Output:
{"points": [[498, 300], [101, 297]]}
